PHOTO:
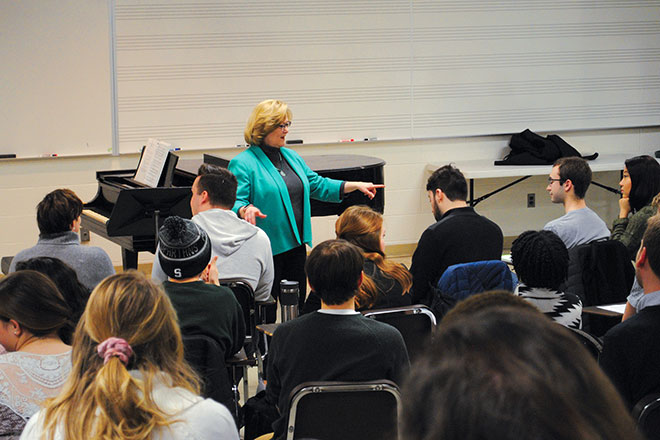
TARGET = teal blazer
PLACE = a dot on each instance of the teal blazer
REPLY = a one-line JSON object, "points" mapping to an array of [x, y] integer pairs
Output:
{"points": [[261, 185]]}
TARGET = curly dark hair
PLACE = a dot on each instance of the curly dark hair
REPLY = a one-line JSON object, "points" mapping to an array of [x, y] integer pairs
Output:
{"points": [[540, 259]]}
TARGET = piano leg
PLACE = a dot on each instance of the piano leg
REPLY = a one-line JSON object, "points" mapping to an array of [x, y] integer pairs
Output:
{"points": [[129, 259]]}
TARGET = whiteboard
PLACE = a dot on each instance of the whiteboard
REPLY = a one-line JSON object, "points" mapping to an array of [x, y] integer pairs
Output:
{"points": [[55, 77], [189, 72]]}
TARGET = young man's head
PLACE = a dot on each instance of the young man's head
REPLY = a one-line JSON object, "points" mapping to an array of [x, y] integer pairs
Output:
{"points": [[214, 187], [570, 177], [446, 187], [184, 249], [334, 270], [59, 212], [647, 264], [507, 373]]}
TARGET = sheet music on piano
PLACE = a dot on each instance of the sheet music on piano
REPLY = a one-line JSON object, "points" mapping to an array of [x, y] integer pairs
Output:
{"points": [[152, 163]]}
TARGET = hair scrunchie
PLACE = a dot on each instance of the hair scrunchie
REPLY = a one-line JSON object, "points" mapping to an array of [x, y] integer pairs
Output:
{"points": [[115, 347]]}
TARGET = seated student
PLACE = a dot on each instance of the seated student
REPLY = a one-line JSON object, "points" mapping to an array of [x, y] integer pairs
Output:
{"points": [[540, 259], [128, 346], [58, 218], [184, 253], [385, 283], [508, 374], [631, 349], [459, 235], [335, 343], [567, 184], [37, 364], [637, 292], [66, 280], [243, 250], [640, 183]]}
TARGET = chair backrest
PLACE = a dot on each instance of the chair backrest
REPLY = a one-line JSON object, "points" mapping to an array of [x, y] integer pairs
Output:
{"points": [[416, 324], [208, 360], [600, 272], [647, 414], [592, 343], [344, 411], [245, 296], [461, 281]]}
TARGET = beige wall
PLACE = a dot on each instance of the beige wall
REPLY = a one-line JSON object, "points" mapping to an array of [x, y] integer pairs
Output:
{"points": [[24, 182]]}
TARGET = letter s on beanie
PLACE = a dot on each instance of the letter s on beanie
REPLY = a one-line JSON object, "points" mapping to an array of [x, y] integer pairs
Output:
{"points": [[184, 248]]}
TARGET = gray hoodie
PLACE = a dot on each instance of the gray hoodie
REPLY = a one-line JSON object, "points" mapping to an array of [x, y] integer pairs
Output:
{"points": [[243, 251]]}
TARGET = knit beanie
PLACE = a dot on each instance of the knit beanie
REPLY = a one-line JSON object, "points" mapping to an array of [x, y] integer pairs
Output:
{"points": [[184, 249]]}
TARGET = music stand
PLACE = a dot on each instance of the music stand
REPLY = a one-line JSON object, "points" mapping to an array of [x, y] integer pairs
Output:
{"points": [[141, 209]]}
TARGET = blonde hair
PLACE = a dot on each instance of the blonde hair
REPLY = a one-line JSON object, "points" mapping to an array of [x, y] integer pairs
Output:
{"points": [[265, 118], [362, 226], [103, 401]]}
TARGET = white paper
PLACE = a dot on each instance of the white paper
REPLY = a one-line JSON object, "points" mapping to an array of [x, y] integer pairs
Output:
{"points": [[152, 163], [617, 308]]}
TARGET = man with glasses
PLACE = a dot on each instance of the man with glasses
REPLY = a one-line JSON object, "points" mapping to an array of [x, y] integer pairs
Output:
{"points": [[568, 183]]}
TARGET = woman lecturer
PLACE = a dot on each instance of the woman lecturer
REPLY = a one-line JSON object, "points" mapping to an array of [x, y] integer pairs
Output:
{"points": [[274, 190]]}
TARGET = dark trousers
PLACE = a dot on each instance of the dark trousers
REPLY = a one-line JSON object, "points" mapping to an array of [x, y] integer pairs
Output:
{"points": [[289, 265]]}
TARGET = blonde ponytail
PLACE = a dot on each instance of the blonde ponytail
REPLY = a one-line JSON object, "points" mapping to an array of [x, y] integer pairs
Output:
{"points": [[103, 400]]}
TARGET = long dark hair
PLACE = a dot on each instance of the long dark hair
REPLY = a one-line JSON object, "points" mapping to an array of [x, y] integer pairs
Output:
{"points": [[32, 299], [645, 179], [65, 278]]}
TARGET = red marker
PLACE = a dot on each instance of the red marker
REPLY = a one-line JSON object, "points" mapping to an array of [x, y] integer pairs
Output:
{"points": [[347, 140]]}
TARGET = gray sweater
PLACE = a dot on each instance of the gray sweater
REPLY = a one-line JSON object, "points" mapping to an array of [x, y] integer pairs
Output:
{"points": [[91, 263], [243, 251]]}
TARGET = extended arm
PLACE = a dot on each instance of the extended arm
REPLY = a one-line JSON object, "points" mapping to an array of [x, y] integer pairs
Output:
{"points": [[366, 188]]}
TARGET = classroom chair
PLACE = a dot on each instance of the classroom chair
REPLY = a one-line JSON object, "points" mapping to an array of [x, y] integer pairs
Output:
{"points": [[416, 324], [599, 273], [344, 411], [253, 314], [592, 343], [208, 360], [647, 414]]}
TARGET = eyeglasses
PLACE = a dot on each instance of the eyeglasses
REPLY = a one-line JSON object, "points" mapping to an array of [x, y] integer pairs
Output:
{"points": [[285, 125], [550, 180]]}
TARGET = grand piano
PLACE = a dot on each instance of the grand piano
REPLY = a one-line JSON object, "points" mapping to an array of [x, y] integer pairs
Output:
{"points": [[130, 215]]}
